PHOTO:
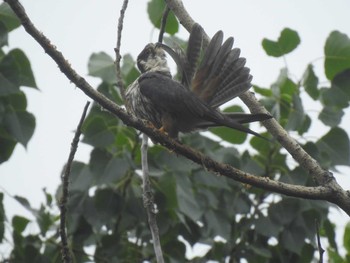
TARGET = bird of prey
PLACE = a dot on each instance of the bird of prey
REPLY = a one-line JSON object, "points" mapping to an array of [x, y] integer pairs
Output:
{"points": [[192, 103]]}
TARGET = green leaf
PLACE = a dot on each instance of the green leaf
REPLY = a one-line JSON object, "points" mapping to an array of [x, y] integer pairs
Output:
{"points": [[334, 97], [305, 125], [97, 133], [15, 67], [8, 17], [167, 185], [284, 90], [341, 83], [217, 224], [20, 124], [284, 212], [128, 70], [3, 35], [337, 52], [227, 134], [262, 91], [296, 115], [310, 82], [186, 199], [347, 238], [2, 217], [329, 229], [293, 239], [334, 256], [266, 227], [7, 145], [108, 203], [6, 86], [19, 223], [331, 116], [115, 169], [286, 43], [336, 146], [155, 11], [25, 203], [102, 66], [18, 101], [262, 146], [81, 178]]}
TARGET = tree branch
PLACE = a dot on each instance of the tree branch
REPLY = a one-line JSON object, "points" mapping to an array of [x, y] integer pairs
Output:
{"points": [[148, 201], [320, 176], [118, 57], [331, 192], [163, 23], [66, 255]]}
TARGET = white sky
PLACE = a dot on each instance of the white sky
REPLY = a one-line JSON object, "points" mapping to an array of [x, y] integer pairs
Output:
{"points": [[81, 27]]}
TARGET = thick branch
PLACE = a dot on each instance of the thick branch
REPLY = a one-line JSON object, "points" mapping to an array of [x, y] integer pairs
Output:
{"points": [[321, 176], [334, 194]]}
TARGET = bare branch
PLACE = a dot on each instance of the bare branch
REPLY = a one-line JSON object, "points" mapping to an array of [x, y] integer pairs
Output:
{"points": [[118, 57], [331, 191], [148, 201], [163, 23], [66, 255]]}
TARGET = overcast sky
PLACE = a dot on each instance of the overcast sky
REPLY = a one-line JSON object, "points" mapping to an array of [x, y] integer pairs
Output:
{"points": [[80, 27]]}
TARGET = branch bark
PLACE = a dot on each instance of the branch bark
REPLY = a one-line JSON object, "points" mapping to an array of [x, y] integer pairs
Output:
{"points": [[330, 190]]}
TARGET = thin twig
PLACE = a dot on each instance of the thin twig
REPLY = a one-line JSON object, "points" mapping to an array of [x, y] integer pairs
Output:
{"points": [[148, 201], [319, 245], [147, 191], [330, 191], [163, 23], [66, 255], [118, 57]]}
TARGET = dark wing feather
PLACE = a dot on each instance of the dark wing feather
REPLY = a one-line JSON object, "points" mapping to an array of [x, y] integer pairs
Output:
{"points": [[193, 51], [198, 83], [221, 75], [187, 64]]}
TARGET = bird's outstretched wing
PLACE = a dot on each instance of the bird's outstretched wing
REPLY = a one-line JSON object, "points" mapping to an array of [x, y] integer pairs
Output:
{"points": [[220, 76]]}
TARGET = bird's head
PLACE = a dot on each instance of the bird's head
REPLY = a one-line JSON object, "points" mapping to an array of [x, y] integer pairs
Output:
{"points": [[152, 58]]}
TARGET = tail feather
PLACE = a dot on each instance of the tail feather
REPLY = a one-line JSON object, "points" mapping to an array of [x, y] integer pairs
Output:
{"points": [[236, 120]]}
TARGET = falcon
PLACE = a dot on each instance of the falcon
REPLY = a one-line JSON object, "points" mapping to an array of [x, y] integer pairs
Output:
{"points": [[193, 102]]}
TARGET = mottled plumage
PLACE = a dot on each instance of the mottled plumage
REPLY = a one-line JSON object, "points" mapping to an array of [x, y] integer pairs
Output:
{"points": [[193, 103]]}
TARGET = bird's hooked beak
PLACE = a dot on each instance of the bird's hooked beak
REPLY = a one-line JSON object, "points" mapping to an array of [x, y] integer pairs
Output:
{"points": [[171, 52]]}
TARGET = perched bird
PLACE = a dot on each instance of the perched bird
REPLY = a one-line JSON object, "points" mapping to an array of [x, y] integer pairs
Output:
{"points": [[191, 104]]}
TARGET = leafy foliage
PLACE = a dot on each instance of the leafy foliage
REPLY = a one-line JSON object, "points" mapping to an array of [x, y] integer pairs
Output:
{"points": [[106, 218], [16, 124], [337, 51], [155, 11], [286, 43]]}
